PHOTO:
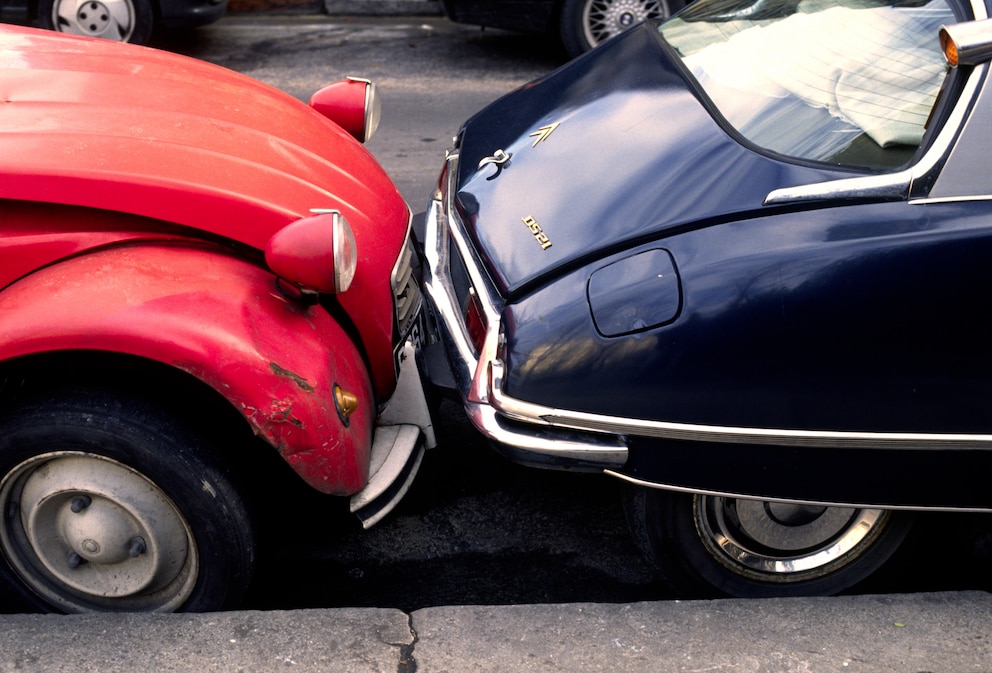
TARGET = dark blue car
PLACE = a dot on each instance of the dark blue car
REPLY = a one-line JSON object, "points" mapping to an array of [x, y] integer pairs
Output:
{"points": [[740, 261], [579, 25]]}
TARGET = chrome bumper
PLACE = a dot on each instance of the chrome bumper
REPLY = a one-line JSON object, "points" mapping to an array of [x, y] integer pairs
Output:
{"points": [[520, 428]]}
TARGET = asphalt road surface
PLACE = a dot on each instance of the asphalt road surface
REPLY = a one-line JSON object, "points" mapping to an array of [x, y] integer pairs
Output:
{"points": [[475, 529]]}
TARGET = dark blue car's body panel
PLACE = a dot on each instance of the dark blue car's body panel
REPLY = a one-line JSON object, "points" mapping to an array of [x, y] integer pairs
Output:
{"points": [[840, 325], [606, 177]]}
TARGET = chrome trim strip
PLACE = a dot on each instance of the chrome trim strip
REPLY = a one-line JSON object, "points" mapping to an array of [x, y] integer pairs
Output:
{"points": [[889, 186], [575, 420], [979, 10], [788, 501], [951, 199], [942, 145], [608, 452]]}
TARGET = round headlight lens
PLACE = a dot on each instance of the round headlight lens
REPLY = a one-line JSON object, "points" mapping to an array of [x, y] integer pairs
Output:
{"points": [[315, 254], [373, 110], [345, 254]]}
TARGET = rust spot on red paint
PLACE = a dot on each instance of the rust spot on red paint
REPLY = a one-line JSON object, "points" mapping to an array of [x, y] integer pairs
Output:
{"points": [[292, 376]]}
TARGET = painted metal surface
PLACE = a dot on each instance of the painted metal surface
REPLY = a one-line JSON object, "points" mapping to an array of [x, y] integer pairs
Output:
{"points": [[606, 176], [139, 131], [139, 192]]}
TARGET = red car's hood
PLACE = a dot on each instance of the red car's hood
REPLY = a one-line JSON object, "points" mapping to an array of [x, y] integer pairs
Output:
{"points": [[104, 125]]}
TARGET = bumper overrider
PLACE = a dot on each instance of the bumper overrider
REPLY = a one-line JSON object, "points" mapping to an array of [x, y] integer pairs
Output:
{"points": [[526, 432]]}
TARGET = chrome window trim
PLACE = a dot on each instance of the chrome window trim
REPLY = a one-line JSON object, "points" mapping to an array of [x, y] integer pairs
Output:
{"points": [[898, 185], [889, 186]]}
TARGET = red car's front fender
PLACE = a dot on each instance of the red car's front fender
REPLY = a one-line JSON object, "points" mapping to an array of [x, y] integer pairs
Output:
{"points": [[223, 321]]}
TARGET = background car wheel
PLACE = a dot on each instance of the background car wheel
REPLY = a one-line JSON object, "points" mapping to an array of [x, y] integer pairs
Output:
{"points": [[710, 546], [586, 23], [121, 20], [110, 505]]}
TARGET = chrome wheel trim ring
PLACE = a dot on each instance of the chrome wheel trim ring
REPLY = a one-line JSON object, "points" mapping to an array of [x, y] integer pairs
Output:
{"points": [[783, 543], [108, 19], [603, 19], [87, 533]]}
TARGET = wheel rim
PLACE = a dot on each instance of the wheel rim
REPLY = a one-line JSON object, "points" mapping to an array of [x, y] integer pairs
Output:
{"points": [[779, 542], [87, 533], [602, 19], [109, 19]]}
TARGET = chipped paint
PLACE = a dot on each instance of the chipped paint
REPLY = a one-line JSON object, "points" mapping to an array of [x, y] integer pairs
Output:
{"points": [[281, 411], [292, 376]]}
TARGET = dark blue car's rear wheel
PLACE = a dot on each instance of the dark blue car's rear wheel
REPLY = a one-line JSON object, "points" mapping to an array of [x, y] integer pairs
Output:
{"points": [[709, 545]]}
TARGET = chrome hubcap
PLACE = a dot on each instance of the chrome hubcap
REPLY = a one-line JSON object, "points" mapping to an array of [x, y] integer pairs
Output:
{"points": [[88, 533], [602, 19], [783, 542], [110, 19]]}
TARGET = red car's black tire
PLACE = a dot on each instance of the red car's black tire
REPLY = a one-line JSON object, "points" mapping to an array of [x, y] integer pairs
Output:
{"points": [[95, 485]]}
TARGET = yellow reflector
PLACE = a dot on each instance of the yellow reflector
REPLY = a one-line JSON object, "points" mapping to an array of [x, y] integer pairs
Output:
{"points": [[345, 402]]}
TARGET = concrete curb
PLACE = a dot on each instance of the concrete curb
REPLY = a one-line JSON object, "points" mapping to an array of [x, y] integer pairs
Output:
{"points": [[949, 632]]}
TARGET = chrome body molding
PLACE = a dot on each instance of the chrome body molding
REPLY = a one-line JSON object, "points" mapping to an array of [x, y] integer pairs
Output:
{"points": [[537, 414], [888, 186], [603, 450], [787, 501]]}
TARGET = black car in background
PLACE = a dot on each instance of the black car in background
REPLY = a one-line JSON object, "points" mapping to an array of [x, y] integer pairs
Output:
{"points": [[740, 261], [579, 24], [121, 20]]}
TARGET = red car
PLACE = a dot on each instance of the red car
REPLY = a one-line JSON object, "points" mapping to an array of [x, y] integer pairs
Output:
{"points": [[192, 265]]}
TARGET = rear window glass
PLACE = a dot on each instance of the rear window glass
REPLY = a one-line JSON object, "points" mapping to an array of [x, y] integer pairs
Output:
{"points": [[840, 81]]}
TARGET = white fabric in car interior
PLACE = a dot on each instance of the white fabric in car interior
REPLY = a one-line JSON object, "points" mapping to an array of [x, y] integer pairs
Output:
{"points": [[877, 68]]}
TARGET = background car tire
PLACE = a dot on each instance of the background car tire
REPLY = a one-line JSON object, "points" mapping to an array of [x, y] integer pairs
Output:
{"points": [[111, 505], [707, 546], [586, 23], [121, 20]]}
